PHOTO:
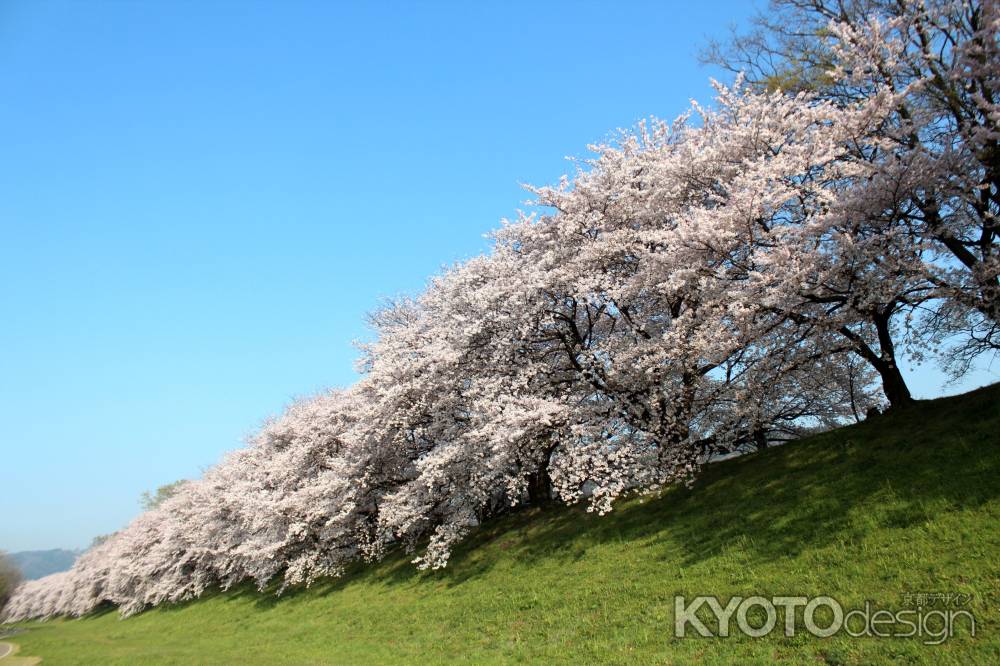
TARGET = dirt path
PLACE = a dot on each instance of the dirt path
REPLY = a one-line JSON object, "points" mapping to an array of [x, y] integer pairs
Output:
{"points": [[7, 658]]}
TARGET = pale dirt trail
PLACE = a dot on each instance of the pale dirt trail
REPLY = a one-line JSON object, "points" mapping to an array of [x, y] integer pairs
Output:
{"points": [[7, 656]]}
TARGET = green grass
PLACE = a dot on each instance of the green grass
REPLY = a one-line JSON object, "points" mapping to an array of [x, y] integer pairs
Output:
{"points": [[905, 503]]}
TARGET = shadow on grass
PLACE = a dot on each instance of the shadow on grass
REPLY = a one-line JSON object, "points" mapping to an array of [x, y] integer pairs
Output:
{"points": [[782, 501], [769, 505]]}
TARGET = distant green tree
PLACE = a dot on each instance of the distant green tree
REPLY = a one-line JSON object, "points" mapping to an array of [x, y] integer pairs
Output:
{"points": [[10, 577], [162, 494], [790, 46], [101, 538]]}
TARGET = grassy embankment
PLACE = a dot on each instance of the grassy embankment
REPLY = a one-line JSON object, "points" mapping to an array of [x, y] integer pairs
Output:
{"points": [[902, 504]]}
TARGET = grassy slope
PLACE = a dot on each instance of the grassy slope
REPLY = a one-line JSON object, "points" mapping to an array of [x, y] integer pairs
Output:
{"points": [[900, 504]]}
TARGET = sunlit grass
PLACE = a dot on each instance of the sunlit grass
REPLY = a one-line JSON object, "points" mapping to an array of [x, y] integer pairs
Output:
{"points": [[906, 503]]}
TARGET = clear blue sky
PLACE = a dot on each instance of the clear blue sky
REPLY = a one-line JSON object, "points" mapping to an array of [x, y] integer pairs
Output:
{"points": [[200, 200]]}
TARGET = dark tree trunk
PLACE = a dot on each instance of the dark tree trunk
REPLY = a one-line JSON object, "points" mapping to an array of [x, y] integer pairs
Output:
{"points": [[893, 384], [539, 482], [760, 439], [884, 362], [540, 486]]}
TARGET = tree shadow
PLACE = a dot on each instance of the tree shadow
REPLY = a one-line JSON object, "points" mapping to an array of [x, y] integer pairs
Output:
{"points": [[886, 473], [890, 470]]}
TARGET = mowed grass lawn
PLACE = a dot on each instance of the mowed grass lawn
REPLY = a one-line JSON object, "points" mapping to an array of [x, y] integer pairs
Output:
{"points": [[902, 504]]}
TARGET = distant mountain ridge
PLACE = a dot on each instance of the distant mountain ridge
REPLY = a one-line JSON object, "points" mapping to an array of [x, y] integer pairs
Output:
{"points": [[36, 564]]}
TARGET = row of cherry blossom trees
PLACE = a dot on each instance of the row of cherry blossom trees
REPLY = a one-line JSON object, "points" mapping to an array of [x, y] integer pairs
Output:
{"points": [[736, 278]]}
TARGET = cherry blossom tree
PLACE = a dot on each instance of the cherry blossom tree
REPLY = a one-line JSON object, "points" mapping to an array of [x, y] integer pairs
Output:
{"points": [[936, 152]]}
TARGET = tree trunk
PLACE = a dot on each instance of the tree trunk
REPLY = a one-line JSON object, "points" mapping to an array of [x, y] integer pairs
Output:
{"points": [[539, 482], [539, 487], [760, 438], [893, 383], [884, 362]]}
